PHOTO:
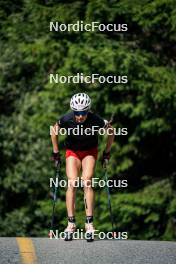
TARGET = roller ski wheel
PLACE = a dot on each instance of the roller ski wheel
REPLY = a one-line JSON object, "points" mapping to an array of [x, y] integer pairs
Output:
{"points": [[68, 236]]}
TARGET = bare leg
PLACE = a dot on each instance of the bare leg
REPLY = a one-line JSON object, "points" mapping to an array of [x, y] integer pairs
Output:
{"points": [[88, 166], [73, 166]]}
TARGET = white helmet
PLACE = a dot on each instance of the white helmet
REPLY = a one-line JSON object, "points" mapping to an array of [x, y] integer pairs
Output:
{"points": [[80, 102]]}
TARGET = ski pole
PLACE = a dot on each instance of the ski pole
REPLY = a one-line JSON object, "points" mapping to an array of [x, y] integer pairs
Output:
{"points": [[85, 202], [109, 200], [112, 118], [55, 194]]}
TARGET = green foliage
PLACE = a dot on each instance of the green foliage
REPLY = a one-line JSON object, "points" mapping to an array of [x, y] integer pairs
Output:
{"points": [[146, 105]]}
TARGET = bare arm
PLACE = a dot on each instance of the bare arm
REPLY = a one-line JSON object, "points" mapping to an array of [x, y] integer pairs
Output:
{"points": [[110, 138], [55, 138]]}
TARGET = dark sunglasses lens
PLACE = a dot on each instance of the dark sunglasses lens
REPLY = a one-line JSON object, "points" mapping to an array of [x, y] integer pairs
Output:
{"points": [[83, 113]]}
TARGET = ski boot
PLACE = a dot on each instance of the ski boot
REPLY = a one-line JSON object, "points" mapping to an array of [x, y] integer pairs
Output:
{"points": [[89, 232], [71, 227]]}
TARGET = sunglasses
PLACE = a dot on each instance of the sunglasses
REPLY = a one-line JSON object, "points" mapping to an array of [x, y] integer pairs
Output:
{"points": [[82, 113]]}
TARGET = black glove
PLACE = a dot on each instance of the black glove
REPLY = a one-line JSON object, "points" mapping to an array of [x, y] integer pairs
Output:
{"points": [[105, 158], [56, 157]]}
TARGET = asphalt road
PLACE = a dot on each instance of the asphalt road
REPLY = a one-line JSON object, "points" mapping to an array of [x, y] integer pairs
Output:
{"points": [[52, 251]]}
